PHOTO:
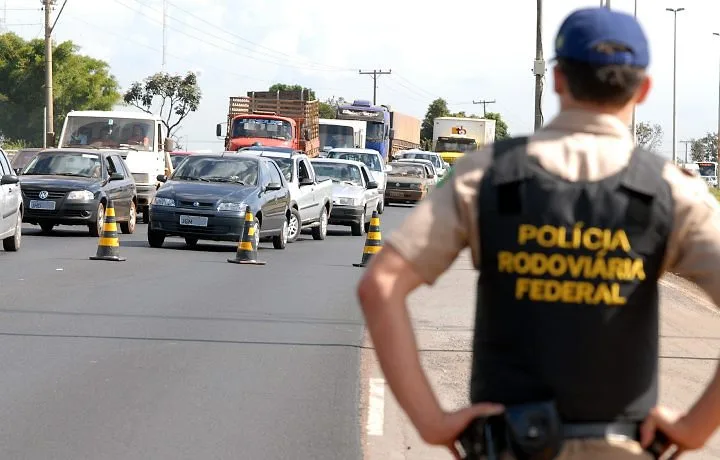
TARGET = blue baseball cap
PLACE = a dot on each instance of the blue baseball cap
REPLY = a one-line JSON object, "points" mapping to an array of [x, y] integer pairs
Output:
{"points": [[583, 32]]}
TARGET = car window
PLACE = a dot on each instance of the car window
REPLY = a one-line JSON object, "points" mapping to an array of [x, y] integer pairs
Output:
{"points": [[365, 175], [370, 160], [114, 167], [303, 172], [274, 174], [265, 172]]}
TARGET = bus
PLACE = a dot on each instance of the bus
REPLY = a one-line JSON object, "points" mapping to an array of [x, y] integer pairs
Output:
{"points": [[708, 170]]}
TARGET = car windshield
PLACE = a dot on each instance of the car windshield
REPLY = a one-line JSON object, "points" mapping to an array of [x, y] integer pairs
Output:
{"points": [[455, 145], [242, 171], [338, 172], [707, 169], [424, 156], [335, 136], [177, 159], [285, 164], [407, 170], [65, 164], [375, 131], [262, 127], [370, 160], [108, 132]]}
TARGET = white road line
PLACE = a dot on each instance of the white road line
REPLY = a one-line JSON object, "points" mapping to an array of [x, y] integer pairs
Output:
{"points": [[376, 407]]}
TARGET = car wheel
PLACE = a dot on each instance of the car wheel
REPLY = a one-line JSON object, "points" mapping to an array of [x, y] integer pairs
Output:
{"points": [[97, 227], [12, 243], [381, 205], [320, 232], [155, 238], [358, 228], [280, 241], [294, 226], [191, 242], [146, 215], [129, 226]]}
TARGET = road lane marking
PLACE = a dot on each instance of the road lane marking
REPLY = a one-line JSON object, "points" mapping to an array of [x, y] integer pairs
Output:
{"points": [[376, 407]]}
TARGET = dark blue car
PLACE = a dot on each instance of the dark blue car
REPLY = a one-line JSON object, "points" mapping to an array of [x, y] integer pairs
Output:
{"points": [[206, 198]]}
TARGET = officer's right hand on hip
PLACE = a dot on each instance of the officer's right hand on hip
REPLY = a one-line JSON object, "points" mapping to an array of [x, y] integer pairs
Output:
{"points": [[449, 427], [677, 428]]}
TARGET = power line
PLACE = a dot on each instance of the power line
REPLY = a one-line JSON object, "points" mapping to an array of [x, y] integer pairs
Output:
{"points": [[484, 104], [375, 74]]}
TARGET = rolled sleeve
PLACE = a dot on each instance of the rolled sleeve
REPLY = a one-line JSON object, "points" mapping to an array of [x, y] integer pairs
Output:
{"points": [[694, 247], [445, 222]]}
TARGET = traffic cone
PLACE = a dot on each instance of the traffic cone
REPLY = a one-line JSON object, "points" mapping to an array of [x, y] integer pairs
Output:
{"points": [[373, 242], [247, 248], [109, 245]]}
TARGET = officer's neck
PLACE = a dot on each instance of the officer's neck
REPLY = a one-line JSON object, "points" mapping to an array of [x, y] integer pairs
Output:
{"points": [[624, 113]]}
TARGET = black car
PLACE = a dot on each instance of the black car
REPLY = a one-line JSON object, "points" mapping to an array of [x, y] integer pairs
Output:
{"points": [[73, 186], [206, 199]]}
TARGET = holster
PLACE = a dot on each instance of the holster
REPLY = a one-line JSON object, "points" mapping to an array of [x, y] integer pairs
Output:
{"points": [[528, 431]]}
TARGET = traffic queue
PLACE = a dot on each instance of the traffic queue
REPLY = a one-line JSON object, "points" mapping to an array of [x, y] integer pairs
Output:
{"points": [[207, 195]]}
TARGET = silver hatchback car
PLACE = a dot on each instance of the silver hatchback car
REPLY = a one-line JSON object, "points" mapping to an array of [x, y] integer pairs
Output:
{"points": [[10, 205]]}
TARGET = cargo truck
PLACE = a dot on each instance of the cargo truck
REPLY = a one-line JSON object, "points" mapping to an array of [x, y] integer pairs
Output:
{"points": [[273, 119], [454, 136], [336, 133], [387, 131]]}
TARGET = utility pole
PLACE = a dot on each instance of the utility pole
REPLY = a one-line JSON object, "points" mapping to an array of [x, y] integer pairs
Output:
{"points": [[484, 104], [718, 132], [674, 122], [164, 36], [49, 114], [634, 123], [538, 68], [686, 149], [375, 74]]}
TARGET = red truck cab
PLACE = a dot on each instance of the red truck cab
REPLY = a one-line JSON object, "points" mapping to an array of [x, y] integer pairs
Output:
{"points": [[270, 130]]}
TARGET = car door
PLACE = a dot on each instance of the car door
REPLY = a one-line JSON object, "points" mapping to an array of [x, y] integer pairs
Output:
{"points": [[115, 189], [307, 201], [9, 196], [282, 196], [268, 200], [128, 183]]}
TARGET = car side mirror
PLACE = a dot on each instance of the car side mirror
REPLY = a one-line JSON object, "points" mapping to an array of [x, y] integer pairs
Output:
{"points": [[161, 178], [116, 176], [169, 144], [306, 134], [7, 179], [218, 130], [18, 171], [372, 185], [273, 186], [306, 181]]}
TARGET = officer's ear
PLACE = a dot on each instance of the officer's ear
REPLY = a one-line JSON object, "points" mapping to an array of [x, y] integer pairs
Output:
{"points": [[642, 92], [559, 82]]}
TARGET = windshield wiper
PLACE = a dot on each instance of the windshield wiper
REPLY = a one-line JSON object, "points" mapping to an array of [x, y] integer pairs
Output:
{"points": [[191, 178], [69, 174], [224, 179]]}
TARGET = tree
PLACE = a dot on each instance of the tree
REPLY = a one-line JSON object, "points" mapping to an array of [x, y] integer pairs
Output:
{"points": [[328, 109], [310, 94], [79, 83], [174, 96], [501, 128], [649, 136], [437, 108], [705, 148]]}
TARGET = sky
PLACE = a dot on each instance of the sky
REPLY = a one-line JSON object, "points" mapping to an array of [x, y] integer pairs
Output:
{"points": [[464, 51]]}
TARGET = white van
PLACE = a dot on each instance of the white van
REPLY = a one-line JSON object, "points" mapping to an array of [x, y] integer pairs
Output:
{"points": [[140, 138]]}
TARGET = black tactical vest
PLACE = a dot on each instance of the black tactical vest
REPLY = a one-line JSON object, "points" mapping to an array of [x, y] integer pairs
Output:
{"points": [[567, 304]]}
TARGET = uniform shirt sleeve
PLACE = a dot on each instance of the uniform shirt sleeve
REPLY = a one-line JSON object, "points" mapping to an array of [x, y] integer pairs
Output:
{"points": [[445, 222], [694, 247]]}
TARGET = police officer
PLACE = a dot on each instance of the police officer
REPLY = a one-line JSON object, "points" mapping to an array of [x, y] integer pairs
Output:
{"points": [[570, 229]]}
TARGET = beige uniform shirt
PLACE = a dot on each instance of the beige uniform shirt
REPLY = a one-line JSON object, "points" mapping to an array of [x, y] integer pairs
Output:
{"points": [[577, 145]]}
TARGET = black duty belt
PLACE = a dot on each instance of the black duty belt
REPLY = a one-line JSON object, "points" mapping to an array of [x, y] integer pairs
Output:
{"points": [[600, 430]]}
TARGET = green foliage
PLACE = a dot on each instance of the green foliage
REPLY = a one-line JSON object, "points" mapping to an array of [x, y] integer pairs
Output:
{"points": [[328, 108], [175, 96], [285, 87], [437, 108], [79, 83], [501, 128], [649, 136], [11, 144], [705, 148]]}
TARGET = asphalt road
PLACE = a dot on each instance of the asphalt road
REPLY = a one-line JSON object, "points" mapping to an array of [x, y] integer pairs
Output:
{"points": [[177, 354]]}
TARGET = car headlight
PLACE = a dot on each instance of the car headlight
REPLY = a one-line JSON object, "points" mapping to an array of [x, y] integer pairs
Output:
{"points": [[346, 201], [232, 207], [416, 186], [80, 195], [161, 201]]}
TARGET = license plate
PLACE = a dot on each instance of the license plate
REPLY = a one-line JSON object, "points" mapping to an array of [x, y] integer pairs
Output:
{"points": [[395, 194], [195, 221], [48, 205]]}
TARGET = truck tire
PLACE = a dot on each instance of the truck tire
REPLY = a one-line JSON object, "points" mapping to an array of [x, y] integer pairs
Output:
{"points": [[294, 226], [320, 232]]}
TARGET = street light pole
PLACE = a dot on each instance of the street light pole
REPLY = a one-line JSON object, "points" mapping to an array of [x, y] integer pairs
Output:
{"points": [[634, 126], [718, 133], [674, 123]]}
